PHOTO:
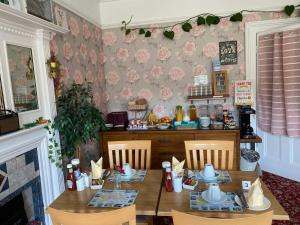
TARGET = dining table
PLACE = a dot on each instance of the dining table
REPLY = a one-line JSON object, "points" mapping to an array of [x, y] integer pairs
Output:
{"points": [[146, 201], [181, 201], [154, 200]]}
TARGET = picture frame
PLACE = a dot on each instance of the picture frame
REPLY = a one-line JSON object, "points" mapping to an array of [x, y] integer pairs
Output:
{"points": [[220, 83], [60, 16], [41, 9], [228, 52]]}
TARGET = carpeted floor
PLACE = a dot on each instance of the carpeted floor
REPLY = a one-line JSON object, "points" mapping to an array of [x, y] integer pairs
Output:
{"points": [[286, 191]]}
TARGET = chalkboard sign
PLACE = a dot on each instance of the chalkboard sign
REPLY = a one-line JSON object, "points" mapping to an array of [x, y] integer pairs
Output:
{"points": [[228, 52]]}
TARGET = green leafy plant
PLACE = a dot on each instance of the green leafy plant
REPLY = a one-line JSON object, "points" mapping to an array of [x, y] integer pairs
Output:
{"points": [[78, 120], [55, 154]]}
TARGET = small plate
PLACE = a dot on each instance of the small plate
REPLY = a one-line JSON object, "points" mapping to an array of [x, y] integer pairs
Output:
{"points": [[209, 178], [204, 196], [133, 172], [266, 205]]}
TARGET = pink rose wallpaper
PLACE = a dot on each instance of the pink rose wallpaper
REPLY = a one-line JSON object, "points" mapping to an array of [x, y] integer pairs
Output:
{"points": [[79, 54], [162, 70]]}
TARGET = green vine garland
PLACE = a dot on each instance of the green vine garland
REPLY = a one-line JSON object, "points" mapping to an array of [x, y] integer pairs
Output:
{"points": [[54, 153], [200, 19]]}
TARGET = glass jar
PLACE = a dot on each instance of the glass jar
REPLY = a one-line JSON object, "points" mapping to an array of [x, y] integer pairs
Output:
{"points": [[193, 113], [219, 113], [179, 113], [203, 110]]}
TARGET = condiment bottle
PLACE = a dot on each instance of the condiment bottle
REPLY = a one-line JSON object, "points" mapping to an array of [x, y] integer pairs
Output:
{"points": [[76, 168], [165, 165], [71, 180], [168, 180]]}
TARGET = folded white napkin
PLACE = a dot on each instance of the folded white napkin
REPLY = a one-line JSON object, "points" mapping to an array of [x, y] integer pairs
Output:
{"points": [[97, 169], [177, 166], [255, 195]]}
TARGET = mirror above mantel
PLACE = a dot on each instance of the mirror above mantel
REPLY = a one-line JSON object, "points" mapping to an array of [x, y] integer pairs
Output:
{"points": [[24, 50]]}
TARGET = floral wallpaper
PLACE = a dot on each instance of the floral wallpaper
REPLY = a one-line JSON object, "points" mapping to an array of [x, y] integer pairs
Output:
{"points": [[162, 70], [80, 53]]}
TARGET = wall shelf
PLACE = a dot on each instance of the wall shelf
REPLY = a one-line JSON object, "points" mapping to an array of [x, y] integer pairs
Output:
{"points": [[251, 140], [8, 14], [207, 98]]}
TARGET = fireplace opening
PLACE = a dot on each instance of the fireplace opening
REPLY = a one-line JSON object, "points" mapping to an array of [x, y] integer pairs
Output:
{"points": [[13, 212]]}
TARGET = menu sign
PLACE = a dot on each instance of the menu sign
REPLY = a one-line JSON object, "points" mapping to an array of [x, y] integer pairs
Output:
{"points": [[228, 52], [243, 94]]}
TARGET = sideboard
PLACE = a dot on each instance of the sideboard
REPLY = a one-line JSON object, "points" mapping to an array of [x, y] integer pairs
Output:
{"points": [[168, 143]]}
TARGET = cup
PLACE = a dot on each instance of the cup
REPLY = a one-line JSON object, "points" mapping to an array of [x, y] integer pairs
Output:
{"points": [[209, 171], [204, 121], [177, 184], [214, 192], [127, 169]]}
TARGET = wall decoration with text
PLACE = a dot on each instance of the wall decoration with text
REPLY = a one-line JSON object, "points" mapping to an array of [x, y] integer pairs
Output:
{"points": [[228, 52]]}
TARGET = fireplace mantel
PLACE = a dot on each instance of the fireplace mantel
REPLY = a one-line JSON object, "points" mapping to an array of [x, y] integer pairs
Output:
{"points": [[20, 27]]}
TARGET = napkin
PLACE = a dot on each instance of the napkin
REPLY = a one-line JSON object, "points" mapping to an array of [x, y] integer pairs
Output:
{"points": [[177, 166], [255, 195], [97, 169]]}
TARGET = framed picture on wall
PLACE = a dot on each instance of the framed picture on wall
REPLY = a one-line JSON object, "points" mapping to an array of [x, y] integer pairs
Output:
{"points": [[41, 9], [220, 83], [60, 17]]}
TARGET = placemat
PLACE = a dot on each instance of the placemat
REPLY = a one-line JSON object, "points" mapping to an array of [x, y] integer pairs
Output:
{"points": [[229, 205], [224, 177], [113, 198], [137, 177]]}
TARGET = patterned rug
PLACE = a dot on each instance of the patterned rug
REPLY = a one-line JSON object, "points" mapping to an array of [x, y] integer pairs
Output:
{"points": [[285, 190]]}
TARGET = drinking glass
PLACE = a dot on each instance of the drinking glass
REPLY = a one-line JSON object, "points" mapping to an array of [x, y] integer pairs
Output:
{"points": [[117, 184]]}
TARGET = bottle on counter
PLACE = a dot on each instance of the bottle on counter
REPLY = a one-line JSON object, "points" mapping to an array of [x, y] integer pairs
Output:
{"points": [[179, 113], [76, 168], [168, 180], [193, 113], [71, 180]]}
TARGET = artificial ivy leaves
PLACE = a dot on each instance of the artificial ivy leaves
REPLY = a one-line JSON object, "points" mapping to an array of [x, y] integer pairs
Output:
{"points": [[209, 20]]}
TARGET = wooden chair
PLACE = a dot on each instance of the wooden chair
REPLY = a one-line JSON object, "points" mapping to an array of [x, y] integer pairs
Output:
{"points": [[113, 217], [180, 218], [120, 152], [218, 153]]}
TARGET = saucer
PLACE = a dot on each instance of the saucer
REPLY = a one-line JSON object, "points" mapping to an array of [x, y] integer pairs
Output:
{"points": [[222, 199], [209, 178], [133, 172], [266, 205]]}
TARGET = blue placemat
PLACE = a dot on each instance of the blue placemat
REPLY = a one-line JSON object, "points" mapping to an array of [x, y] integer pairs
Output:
{"points": [[137, 177], [113, 198], [223, 177], [229, 205]]}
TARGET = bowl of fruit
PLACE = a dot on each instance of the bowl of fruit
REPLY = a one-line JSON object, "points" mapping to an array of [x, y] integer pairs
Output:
{"points": [[190, 184]]}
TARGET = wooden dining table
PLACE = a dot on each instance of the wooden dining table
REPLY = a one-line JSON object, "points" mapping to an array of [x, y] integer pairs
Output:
{"points": [[180, 201], [153, 200], [146, 201]]}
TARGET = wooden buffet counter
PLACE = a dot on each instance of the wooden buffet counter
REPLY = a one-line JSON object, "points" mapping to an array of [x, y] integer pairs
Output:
{"points": [[168, 143]]}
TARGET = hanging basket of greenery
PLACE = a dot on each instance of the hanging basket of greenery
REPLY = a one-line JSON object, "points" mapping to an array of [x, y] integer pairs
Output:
{"points": [[78, 120]]}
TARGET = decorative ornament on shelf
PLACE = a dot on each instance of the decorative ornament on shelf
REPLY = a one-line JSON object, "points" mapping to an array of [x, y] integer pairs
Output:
{"points": [[55, 73], [201, 19]]}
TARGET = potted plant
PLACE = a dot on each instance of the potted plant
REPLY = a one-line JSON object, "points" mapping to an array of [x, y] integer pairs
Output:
{"points": [[78, 120]]}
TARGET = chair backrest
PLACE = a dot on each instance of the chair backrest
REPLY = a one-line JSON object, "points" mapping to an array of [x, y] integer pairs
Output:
{"points": [[136, 153], [113, 217], [218, 153], [180, 218]]}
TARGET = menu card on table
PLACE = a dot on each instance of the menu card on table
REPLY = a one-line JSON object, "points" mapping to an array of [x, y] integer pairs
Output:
{"points": [[113, 198]]}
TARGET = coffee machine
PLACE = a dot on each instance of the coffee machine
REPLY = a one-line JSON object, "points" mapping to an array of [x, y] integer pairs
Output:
{"points": [[244, 120]]}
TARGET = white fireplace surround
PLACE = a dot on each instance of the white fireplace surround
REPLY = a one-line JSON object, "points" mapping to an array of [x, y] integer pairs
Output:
{"points": [[19, 27]]}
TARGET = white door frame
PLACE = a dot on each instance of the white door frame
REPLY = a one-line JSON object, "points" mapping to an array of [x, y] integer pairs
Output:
{"points": [[278, 153]]}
